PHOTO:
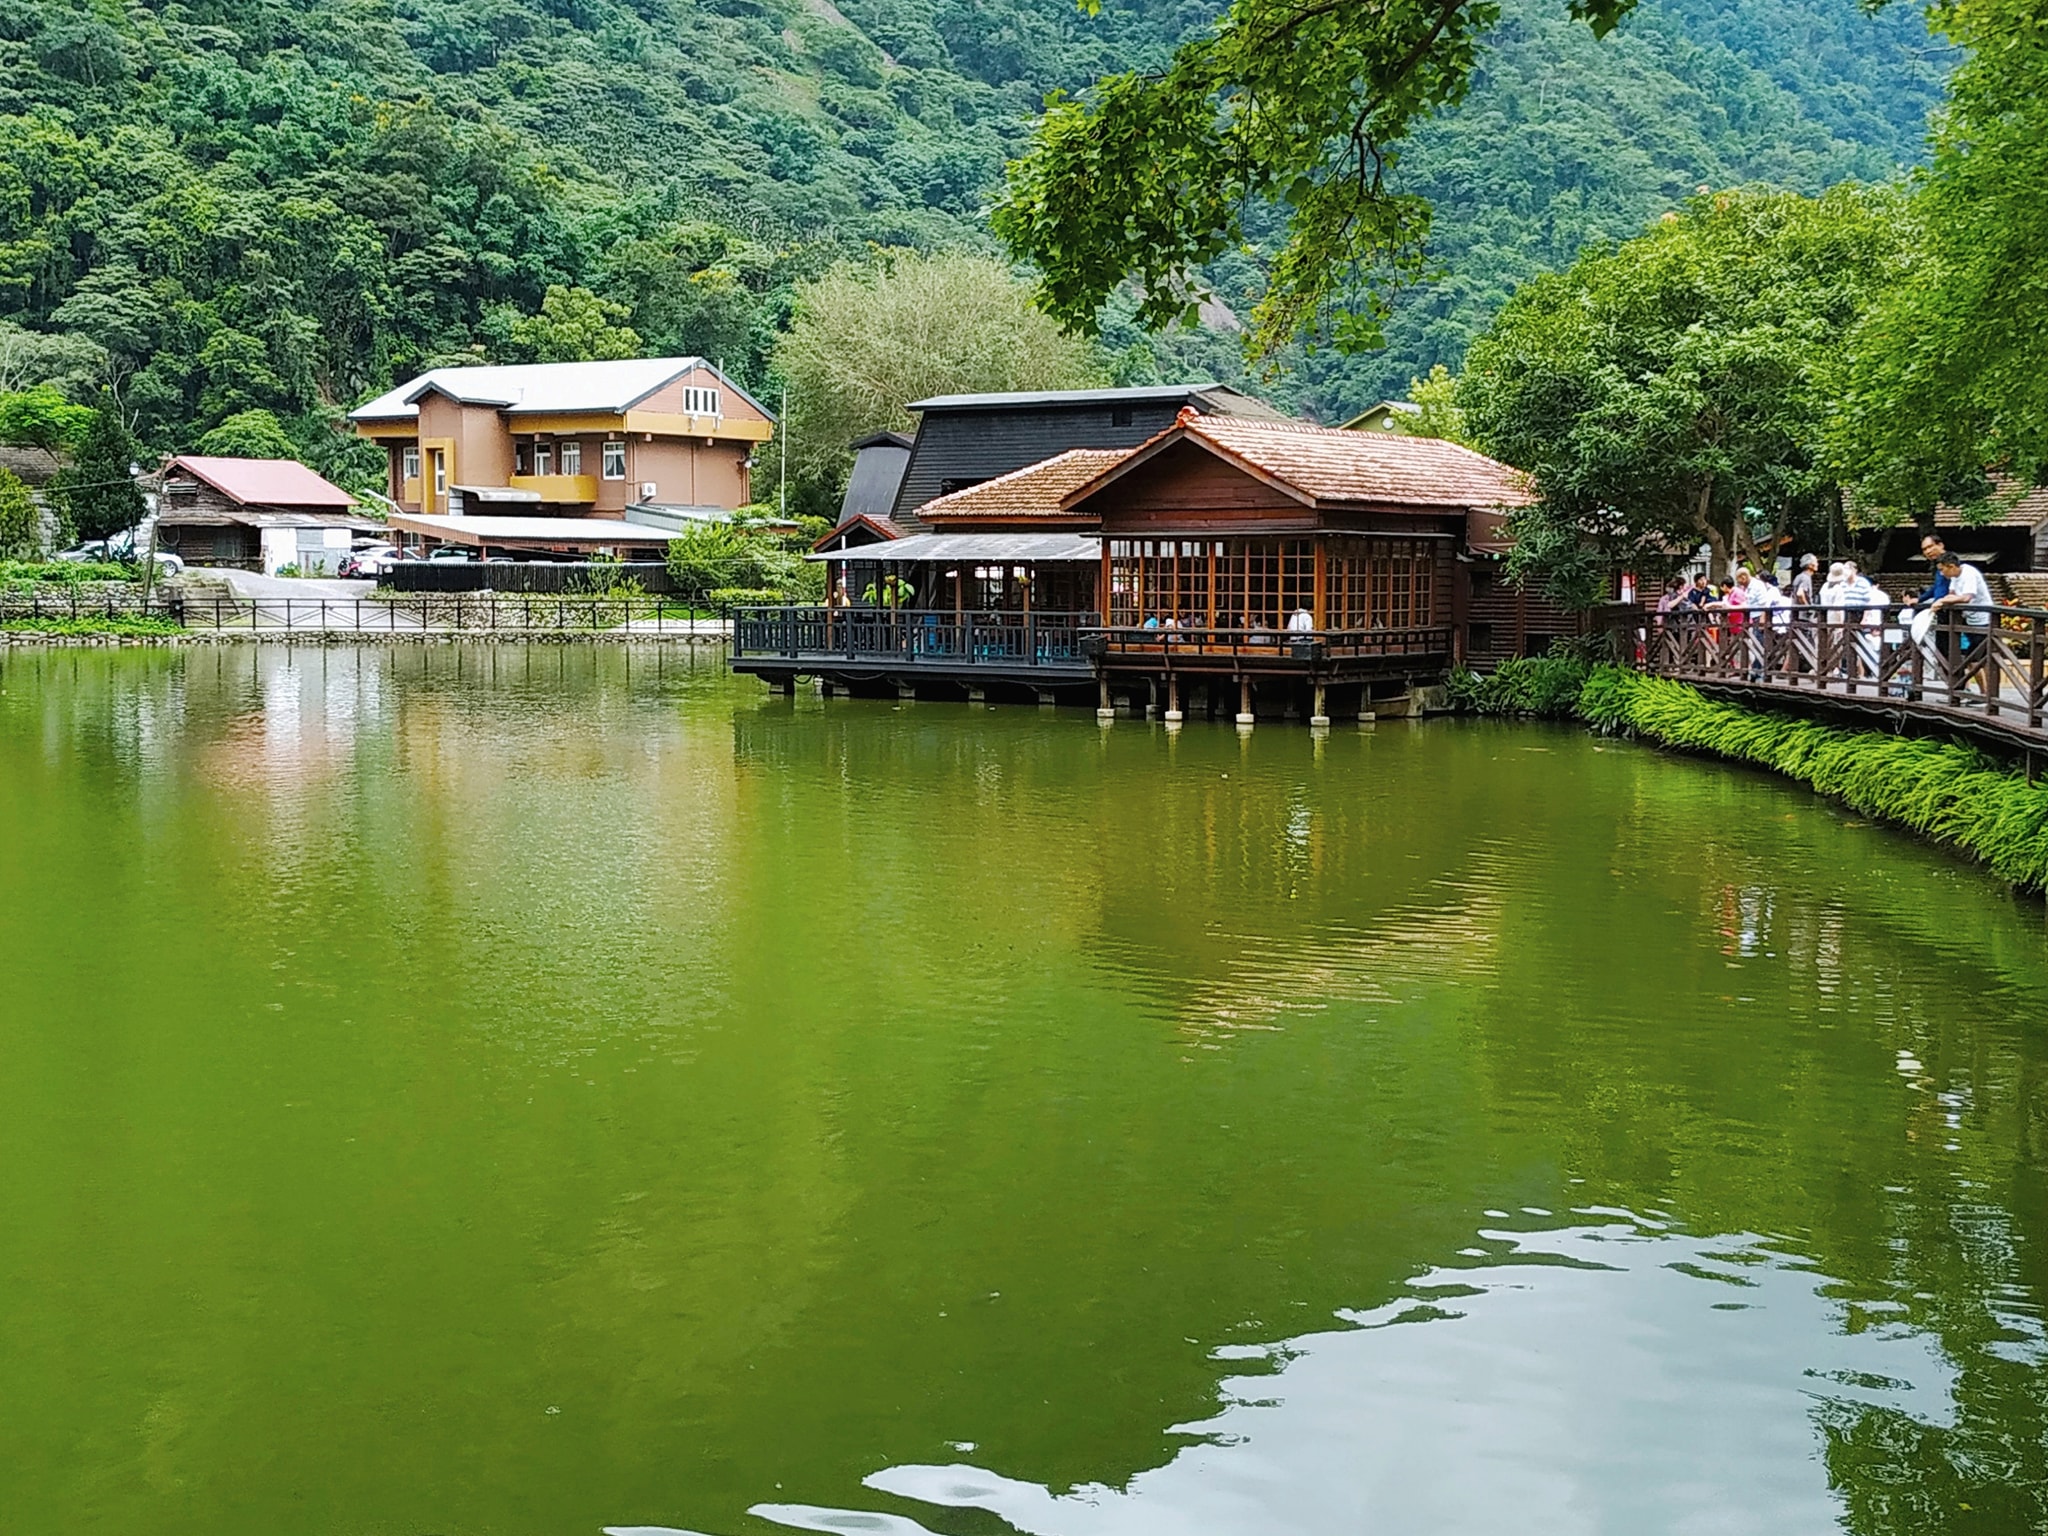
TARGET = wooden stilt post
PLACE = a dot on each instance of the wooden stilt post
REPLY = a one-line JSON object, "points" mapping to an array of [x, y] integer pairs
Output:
{"points": [[1105, 710], [1244, 701], [1322, 714], [1173, 712]]}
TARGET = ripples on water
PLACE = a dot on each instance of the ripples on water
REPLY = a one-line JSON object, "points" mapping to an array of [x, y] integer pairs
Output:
{"points": [[531, 1088], [1615, 1373]]}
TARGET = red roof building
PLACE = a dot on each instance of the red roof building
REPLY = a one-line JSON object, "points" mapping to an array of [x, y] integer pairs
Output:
{"points": [[254, 514]]}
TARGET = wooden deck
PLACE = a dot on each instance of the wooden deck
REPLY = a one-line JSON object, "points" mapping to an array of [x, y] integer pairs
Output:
{"points": [[1034, 648], [1986, 680]]}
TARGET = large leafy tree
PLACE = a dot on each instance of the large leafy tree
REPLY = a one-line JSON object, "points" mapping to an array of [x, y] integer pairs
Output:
{"points": [[1299, 102], [98, 491], [867, 337], [1951, 373], [1675, 389], [41, 417], [573, 325], [21, 525], [255, 434]]}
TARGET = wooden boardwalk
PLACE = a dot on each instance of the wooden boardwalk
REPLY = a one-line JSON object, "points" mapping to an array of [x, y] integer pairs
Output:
{"points": [[1987, 679]]}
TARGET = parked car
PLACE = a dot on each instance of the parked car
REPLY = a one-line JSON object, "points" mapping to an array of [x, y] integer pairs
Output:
{"points": [[450, 554], [119, 550]]}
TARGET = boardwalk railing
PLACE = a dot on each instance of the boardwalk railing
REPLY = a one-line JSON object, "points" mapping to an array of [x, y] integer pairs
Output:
{"points": [[1985, 668], [1164, 648], [880, 637], [397, 614]]}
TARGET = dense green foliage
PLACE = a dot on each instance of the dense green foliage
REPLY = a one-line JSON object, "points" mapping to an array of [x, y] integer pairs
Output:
{"points": [[128, 625], [1676, 388], [1559, 139], [1544, 686], [864, 341], [97, 491], [1941, 790], [21, 524], [20, 575], [213, 208], [1952, 365], [724, 557], [1152, 175]]}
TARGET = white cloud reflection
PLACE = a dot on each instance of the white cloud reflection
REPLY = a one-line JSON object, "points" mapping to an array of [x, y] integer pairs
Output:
{"points": [[1611, 1376]]}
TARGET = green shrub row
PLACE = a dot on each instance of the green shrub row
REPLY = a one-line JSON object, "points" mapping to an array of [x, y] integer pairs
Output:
{"points": [[1525, 685], [97, 624], [1943, 790], [60, 573]]}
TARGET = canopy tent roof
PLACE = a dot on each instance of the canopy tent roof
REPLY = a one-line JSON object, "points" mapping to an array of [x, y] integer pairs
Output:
{"points": [[972, 548]]}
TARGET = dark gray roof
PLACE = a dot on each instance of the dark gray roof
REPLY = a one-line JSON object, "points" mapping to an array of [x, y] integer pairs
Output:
{"points": [[883, 440], [1143, 393]]}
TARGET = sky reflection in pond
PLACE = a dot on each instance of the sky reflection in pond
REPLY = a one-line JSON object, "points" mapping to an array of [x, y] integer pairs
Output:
{"points": [[1610, 1375]]}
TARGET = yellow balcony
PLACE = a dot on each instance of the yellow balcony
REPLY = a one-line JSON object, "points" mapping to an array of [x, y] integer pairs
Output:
{"points": [[568, 489]]}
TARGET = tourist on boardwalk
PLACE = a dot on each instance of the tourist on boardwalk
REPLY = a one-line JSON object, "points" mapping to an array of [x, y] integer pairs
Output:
{"points": [[1301, 622], [1673, 594], [1802, 584], [1966, 588], [1932, 548]]}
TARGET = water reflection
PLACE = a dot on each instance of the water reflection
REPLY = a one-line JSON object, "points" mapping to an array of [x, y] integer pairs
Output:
{"points": [[1612, 1374], [517, 1088]]}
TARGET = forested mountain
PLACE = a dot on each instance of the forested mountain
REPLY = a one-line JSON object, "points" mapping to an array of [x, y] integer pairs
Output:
{"points": [[289, 203]]}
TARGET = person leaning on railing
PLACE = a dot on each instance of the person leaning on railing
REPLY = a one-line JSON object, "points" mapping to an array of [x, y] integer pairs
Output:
{"points": [[1968, 590]]}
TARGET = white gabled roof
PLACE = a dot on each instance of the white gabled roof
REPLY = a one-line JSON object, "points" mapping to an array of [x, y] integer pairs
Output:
{"points": [[541, 388]]}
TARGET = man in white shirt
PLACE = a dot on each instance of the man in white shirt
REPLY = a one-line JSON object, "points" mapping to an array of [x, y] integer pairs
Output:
{"points": [[1301, 622], [1968, 590]]}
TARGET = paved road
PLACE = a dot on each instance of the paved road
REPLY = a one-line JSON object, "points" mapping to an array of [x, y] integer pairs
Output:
{"points": [[308, 588]]}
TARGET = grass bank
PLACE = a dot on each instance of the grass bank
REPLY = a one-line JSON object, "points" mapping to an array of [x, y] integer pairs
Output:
{"points": [[1943, 790]]}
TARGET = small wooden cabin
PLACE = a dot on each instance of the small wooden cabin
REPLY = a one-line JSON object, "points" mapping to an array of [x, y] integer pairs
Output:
{"points": [[254, 514], [1246, 549]]}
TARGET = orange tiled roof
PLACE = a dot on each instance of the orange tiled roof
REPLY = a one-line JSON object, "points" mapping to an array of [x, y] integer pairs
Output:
{"points": [[1034, 491], [1330, 466]]}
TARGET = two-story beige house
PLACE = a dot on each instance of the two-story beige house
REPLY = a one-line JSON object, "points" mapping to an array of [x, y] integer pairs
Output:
{"points": [[558, 456]]}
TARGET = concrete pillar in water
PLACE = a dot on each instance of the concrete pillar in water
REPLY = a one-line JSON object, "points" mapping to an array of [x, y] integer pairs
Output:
{"points": [[1173, 713], [905, 692], [1244, 701]]}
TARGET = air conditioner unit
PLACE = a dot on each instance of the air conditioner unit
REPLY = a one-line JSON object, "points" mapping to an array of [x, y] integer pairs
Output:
{"points": [[647, 490]]}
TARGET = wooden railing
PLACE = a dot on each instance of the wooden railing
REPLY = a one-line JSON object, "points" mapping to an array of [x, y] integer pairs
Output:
{"points": [[1255, 647], [1985, 668], [883, 637]]}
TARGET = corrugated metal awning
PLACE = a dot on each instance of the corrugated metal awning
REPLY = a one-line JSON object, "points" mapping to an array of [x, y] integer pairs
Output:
{"points": [[982, 548]]}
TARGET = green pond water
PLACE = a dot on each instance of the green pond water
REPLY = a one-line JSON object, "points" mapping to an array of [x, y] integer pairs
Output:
{"points": [[558, 1090]]}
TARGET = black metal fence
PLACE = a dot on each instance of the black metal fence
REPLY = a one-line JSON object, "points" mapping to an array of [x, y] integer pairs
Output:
{"points": [[398, 614], [524, 576]]}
